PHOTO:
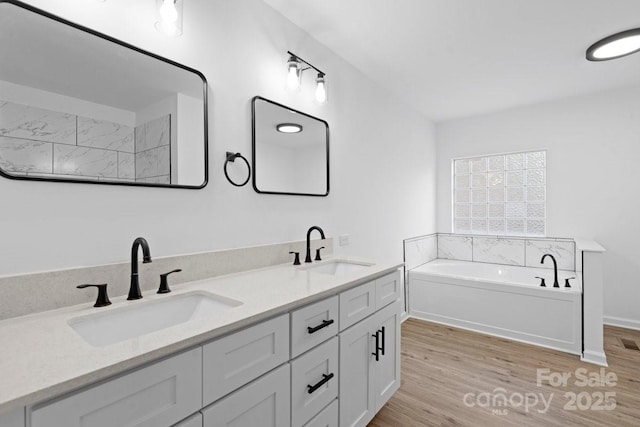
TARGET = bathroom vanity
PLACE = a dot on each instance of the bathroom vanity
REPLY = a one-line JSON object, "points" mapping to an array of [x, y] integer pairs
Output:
{"points": [[301, 346]]}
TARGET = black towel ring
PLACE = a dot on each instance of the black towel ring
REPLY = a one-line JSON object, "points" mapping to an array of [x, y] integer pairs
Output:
{"points": [[231, 157]]}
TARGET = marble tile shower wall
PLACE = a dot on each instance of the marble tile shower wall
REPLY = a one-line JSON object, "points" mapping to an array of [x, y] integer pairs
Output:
{"points": [[524, 252], [40, 142], [153, 151]]}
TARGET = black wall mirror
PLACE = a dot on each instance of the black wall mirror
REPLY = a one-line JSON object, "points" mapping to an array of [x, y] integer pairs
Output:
{"points": [[79, 106], [290, 150]]}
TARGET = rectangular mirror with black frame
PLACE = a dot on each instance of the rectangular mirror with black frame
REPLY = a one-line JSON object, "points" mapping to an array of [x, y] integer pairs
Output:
{"points": [[290, 150], [80, 106]]}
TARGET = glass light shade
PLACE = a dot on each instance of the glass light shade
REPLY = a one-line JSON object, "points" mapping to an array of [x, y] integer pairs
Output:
{"points": [[615, 46], [169, 17], [321, 89], [293, 73]]}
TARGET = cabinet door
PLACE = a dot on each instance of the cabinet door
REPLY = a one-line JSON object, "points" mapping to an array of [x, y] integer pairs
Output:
{"points": [[387, 368], [388, 289], [327, 418], [266, 402], [237, 359], [158, 395], [14, 418], [357, 398]]}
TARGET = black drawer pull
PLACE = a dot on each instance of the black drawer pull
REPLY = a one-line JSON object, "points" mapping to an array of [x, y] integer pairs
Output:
{"points": [[324, 324], [382, 333], [325, 379]]}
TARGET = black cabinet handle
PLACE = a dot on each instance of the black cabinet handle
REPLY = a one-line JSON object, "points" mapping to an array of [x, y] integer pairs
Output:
{"points": [[377, 337], [324, 324], [325, 379], [382, 348]]}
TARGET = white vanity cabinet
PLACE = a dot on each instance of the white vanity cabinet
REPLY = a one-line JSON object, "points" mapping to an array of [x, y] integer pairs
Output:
{"points": [[369, 365], [13, 418], [157, 395], [312, 367]]}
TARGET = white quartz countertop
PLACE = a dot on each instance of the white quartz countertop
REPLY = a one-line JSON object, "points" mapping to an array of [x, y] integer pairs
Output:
{"points": [[43, 357]]}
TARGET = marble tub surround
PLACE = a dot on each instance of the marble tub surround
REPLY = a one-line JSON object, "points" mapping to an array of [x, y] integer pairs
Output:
{"points": [[32, 293], [420, 250], [521, 251], [458, 247], [499, 251], [43, 357], [563, 252]]}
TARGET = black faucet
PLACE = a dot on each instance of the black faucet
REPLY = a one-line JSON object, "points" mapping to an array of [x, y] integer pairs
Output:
{"points": [[555, 269], [315, 227], [134, 290]]}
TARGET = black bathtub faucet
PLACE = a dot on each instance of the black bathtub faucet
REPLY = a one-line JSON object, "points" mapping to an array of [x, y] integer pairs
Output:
{"points": [[555, 269], [315, 227]]}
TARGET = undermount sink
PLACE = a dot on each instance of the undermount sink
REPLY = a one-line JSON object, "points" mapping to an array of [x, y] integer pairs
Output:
{"points": [[142, 318], [338, 267]]}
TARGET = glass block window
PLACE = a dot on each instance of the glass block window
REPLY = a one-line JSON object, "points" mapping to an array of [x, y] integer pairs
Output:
{"points": [[500, 194]]}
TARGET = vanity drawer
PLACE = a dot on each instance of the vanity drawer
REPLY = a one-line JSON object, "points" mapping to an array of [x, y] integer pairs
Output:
{"points": [[356, 304], [157, 395], [308, 325], [388, 289], [327, 418], [314, 381], [237, 359], [266, 402]]}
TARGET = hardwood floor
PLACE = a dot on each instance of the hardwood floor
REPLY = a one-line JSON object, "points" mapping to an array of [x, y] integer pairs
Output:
{"points": [[440, 365]]}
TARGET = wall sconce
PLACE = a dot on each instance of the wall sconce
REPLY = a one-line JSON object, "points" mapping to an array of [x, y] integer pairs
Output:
{"points": [[294, 76], [169, 17]]}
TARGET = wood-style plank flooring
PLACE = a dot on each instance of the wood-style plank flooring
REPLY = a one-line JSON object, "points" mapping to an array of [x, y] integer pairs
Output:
{"points": [[441, 364]]}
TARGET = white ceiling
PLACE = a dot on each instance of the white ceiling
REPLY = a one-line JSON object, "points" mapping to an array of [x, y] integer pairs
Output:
{"points": [[457, 58]]}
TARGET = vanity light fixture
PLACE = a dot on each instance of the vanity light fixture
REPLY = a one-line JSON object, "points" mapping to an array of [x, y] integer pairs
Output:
{"points": [[169, 17], [289, 128], [294, 76], [615, 46]]}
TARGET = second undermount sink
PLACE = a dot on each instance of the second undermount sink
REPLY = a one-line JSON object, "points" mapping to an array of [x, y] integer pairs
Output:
{"points": [[338, 267], [132, 321]]}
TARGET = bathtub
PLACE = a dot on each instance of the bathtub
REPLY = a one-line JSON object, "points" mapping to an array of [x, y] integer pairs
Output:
{"points": [[500, 300]]}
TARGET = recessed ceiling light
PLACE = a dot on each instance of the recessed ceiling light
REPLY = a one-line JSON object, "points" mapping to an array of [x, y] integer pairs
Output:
{"points": [[289, 128], [615, 46]]}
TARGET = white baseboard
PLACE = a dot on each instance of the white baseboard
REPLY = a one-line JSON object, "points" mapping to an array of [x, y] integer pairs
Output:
{"points": [[621, 322], [597, 358]]}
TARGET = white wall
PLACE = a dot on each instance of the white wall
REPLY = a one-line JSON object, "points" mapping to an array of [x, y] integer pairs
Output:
{"points": [[593, 145], [382, 153]]}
